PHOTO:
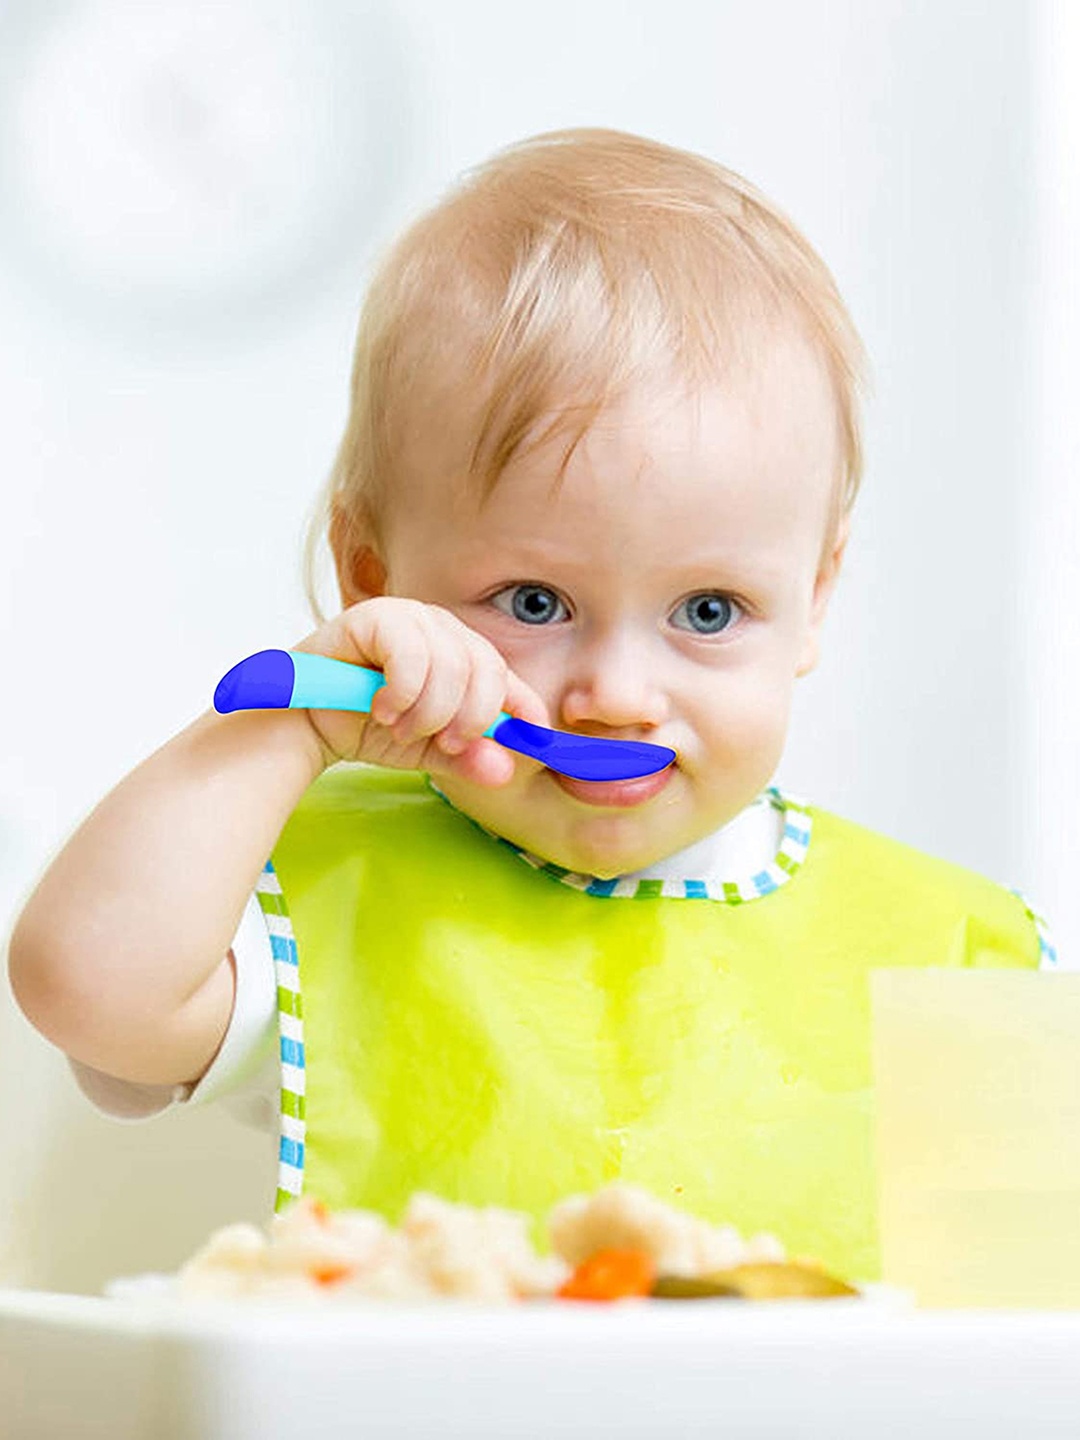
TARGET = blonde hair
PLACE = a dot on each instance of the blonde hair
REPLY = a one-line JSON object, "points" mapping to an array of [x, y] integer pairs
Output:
{"points": [[555, 276]]}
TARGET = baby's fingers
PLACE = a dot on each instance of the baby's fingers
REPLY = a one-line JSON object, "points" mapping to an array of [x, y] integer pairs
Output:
{"points": [[492, 688], [483, 762], [403, 651], [479, 759], [481, 698], [441, 698], [525, 702]]}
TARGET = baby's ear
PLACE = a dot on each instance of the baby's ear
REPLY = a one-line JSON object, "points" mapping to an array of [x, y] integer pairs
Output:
{"points": [[360, 572], [824, 585]]}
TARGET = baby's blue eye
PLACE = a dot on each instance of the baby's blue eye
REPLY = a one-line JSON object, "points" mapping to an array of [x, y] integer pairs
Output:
{"points": [[532, 604], [708, 614]]}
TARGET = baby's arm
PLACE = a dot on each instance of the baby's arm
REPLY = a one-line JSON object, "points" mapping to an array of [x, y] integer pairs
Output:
{"points": [[121, 955]]}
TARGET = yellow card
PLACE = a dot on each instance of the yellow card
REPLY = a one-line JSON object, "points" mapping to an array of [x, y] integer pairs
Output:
{"points": [[977, 1077]]}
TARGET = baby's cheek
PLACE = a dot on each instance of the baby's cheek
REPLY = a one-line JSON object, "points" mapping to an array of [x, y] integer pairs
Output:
{"points": [[497, 809], [749, 718]]}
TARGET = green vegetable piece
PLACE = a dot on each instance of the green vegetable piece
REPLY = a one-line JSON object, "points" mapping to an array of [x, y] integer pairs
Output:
{"points": [[786, 1280], [765, 1280], [692, 1287]]}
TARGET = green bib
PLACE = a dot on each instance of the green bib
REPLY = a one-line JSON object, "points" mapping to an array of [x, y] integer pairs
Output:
{"points": [[475, 1027]]}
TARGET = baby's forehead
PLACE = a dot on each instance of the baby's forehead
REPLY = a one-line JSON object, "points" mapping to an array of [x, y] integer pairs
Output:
{"points": [[660, 450], [771, 366], [767, 366], [750, 451], [770, 406]]}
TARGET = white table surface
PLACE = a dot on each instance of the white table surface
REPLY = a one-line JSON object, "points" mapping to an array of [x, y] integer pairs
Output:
{"points": [[87, 1367]]}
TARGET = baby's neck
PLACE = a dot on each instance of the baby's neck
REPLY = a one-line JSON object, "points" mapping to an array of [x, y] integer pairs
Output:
{"points": [[745, 846], [747, 843]]}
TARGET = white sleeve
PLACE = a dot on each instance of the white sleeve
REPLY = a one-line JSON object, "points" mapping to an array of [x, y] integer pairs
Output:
{"points": [[244, 1074]]}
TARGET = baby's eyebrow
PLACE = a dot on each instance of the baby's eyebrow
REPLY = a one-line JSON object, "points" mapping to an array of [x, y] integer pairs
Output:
{"points": [[704, 573], [531, 559], [720, 567], [531, 553]]}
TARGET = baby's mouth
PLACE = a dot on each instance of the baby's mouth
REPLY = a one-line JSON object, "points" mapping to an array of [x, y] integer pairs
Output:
{"points": [[616, 793]]}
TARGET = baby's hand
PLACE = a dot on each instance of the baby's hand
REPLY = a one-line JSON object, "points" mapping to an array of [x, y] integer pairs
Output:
{"points": [[445, 684]]}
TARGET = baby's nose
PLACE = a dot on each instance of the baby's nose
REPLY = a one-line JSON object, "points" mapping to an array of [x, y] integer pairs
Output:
{"points": [[615, 686]]}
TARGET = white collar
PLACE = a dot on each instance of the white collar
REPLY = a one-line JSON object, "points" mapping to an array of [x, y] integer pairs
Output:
{"points": [[743, 846]]}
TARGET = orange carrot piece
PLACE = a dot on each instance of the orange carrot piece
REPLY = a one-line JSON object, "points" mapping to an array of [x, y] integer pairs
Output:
{"points": [[611, 1275], [330, 1273]]}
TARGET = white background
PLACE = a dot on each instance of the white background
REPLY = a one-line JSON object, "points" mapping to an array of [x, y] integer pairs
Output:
{"points": [[187, 217]]}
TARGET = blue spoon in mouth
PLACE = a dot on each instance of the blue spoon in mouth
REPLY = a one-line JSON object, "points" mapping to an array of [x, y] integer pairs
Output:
{"points": [[295, 680]]}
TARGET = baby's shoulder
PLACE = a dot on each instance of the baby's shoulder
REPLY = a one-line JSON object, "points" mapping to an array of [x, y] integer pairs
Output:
{"points": [[870, 858], [922, 895]]}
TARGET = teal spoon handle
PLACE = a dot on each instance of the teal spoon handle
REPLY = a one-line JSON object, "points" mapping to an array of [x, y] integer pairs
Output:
{"points": [[295, 680]]}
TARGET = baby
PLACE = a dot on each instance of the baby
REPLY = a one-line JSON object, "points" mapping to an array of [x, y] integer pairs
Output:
{"points": [[598, 471]]}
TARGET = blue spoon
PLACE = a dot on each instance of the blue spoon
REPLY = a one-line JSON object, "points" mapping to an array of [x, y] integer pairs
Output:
{"points": [[293, 679]]}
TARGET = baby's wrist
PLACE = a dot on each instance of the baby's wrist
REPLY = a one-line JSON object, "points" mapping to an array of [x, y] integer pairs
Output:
{"points": [[285, 737], [299, 735], [323, 755]]}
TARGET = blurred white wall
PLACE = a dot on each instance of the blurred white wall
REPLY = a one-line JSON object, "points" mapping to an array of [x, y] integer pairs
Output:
{"points": [[182, 249], [1050, 540]]}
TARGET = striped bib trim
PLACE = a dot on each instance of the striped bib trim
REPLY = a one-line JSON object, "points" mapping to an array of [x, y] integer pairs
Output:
{"points": [[739, 890], [290, 1036]]}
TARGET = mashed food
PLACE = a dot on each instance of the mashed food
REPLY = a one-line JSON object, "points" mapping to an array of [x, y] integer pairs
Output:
{"points": [[617, 1243]]}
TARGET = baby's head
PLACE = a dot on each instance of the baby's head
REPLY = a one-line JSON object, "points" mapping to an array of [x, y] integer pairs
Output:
{"points": [[604, 409]]}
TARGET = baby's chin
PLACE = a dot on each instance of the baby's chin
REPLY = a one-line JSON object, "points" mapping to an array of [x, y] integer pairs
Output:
{"points": [[605, 847], [603, 843]]}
